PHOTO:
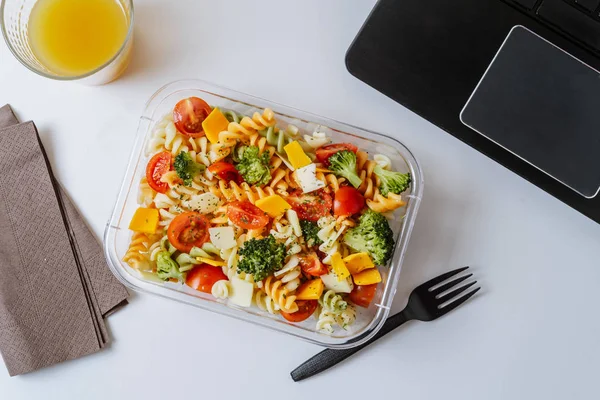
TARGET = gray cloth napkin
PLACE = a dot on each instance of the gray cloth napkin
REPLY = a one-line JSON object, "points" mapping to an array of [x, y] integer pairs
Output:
{"points": [[55, 286]]}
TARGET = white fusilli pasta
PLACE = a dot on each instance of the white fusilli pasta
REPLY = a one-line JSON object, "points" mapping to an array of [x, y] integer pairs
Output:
{"points": [[326, 321], [383, 161], [330, 237], [317, 139], [145, 193], [286, 233], [166, 137], [334, 311], [221, 289]]}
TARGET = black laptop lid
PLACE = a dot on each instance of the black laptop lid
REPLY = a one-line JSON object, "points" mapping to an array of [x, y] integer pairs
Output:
{"points": [[543, 105]]}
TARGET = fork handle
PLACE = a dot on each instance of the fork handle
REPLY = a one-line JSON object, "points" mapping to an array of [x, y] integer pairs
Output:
{"points": [[330, 357]]}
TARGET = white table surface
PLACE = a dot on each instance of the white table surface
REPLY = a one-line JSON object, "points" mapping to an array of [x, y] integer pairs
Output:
{"points": [[533, 333]]}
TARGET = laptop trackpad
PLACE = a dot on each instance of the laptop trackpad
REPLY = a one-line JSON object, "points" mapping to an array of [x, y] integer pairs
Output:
{"points": [[543, 105]]}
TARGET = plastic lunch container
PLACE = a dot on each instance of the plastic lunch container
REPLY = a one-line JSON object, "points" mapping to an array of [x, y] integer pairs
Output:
{"points": [[117, 235]]}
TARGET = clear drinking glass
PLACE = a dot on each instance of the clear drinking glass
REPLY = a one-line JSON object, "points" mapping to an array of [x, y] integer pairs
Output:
{"points": [[14, 18]]}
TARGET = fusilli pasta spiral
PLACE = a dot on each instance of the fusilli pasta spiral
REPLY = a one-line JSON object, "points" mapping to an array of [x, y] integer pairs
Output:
{"points": [[317, 139], [333, 302], [265, 302], [231, 258], [276, 289], [292, 279], [329, 235], [383, 161], [334, 309], [278, 139], [286, 232], [282, 178], [221, 289], [332, 181], [137, 255], [199, 150], [365, 167], [383, 204], [259, 121], [233, 191], [167, 138], [226, 142], [146, 193], [326, 321]]}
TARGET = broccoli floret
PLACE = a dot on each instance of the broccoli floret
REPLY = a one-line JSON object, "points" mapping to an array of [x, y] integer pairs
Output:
{"points": [[166, 268], [187, 168], [253, 167], [309, 231], [261, 257], [372, 235], [343, 163], [392, 182]]}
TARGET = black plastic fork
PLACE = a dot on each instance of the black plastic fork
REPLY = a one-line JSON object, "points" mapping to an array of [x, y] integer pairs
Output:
{"points": [[426, 303]]}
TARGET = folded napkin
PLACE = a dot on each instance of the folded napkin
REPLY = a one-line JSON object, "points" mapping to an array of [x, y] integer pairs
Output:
{"points": [[55, 286]]}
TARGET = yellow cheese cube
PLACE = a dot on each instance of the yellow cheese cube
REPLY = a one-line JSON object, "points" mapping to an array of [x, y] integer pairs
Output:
{"points": [[210, 261], [310, 290], [296, 155], [214, 124], [367, 277], [144, 220], [273, 205], [358, 262], [339, 267]]}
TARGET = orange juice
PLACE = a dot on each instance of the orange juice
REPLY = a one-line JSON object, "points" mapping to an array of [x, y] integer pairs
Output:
{"points": [[74, 37]]}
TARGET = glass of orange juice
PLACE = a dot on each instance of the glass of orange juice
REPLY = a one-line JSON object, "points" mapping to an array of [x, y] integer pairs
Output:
{"points": [[85, 40]]}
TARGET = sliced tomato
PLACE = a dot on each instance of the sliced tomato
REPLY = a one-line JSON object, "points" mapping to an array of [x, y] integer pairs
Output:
{"points": [[189, 114], [311, 265], [246, 215], [347, 201], [226, 171], [306, 308], [158, 165], [362, 295], [311, 206], [324, 152], [203, 277], [188, 230]]}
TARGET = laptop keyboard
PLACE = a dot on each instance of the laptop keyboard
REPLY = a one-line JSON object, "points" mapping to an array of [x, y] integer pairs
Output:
{"points": [[579, 19]]}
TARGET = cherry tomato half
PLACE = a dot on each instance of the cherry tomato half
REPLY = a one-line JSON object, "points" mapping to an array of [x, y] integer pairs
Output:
{"points": [[246, 215], [324, 152], [311, 206], [188, 230], [311, 265], [347, 201], [203, 277], [226, 171], [189, 114], [306, 308], [158, 165], [362, 295]]}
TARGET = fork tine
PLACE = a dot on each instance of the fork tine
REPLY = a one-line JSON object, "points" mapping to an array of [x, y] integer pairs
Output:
{"points": [[458, 302], [454, 293], [449, 285], [443, 277]]}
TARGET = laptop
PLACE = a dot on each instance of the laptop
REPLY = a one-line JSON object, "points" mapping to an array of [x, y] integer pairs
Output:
{"points": [[517, 80]]}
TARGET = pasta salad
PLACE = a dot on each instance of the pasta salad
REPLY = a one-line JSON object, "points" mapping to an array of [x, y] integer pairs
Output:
{"points": [[259, 214]]}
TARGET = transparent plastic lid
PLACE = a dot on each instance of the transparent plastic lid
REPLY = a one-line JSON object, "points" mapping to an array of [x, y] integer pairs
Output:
{"points": [[118, 236]]}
